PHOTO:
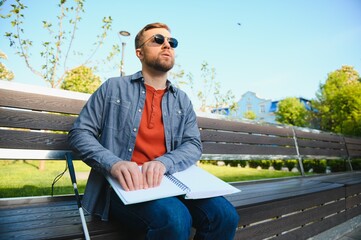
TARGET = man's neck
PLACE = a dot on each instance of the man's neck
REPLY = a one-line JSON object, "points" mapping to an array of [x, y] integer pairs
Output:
{"points": [[157, 80]]}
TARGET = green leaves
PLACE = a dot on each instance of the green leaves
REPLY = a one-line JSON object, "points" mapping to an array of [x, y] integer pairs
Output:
{"points": [[292, 112], [339, 102], [81, 79], [57, 47]]}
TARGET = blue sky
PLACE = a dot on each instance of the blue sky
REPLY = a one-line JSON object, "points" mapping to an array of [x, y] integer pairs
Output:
{"points": [[281, 49]]}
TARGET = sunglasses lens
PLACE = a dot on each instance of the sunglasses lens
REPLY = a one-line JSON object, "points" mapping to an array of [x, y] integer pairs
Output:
{"points": [[159, 39], [173, 42]]}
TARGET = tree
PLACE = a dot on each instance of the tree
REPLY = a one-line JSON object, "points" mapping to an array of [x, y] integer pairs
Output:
{"points": [[208, 92], [5, 74], [250, 115], [56, 48], [291, 112], [210, 95], [339, 102], [81, 79]]}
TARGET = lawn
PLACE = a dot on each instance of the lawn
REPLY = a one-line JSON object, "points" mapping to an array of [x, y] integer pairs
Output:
{"points": [[22, 178]]}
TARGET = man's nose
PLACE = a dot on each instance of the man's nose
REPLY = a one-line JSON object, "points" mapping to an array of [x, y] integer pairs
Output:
{"points": [[166, 43]]}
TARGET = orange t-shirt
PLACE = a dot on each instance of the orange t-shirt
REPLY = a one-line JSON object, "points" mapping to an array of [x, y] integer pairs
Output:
{"points": [[150, 141]]}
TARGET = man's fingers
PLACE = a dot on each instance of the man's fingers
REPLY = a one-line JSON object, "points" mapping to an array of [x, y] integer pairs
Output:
{"points": [[128, 175], [156, 177], [148, 175], [123, 182], [153, 173], [128, 179]]}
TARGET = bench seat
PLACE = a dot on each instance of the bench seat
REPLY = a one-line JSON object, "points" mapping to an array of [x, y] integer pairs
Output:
{"points": [[266, 208]]}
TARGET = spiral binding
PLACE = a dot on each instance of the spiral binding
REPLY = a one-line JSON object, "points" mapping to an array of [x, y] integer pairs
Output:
{"points": [[178, 183]]}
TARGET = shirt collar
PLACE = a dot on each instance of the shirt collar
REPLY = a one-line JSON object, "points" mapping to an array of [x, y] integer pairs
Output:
{"points": [[138, 76]]}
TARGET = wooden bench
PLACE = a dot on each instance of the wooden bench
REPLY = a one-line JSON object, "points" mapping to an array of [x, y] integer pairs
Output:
{"points": [[34, 122]]}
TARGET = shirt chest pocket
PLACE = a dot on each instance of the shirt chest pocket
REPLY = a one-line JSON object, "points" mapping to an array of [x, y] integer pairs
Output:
{"points": [[118, 113], [178, 122]]}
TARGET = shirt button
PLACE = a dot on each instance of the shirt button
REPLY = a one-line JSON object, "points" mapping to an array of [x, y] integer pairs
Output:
{"points": [[139, 110], [134, 129], [130, 149], [118, 101], [143, 91]]}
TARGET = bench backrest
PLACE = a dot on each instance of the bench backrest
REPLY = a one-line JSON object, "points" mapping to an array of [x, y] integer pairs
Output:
{"points": [[224, 139], [35, 121]]}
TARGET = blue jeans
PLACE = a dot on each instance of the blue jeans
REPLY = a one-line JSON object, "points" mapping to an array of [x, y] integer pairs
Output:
{"points": [[173, 217]]}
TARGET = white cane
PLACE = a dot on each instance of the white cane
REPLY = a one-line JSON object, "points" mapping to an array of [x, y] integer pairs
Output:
{"points": [[69, 161]]}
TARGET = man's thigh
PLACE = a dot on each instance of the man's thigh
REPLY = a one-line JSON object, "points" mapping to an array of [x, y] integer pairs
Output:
{"points": [[152, 214]]}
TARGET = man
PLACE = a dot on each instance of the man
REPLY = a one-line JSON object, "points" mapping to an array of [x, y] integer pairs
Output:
{"points": [[143, 119]]}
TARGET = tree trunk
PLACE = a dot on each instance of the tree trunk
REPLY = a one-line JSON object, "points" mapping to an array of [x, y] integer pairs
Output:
{"points": [[42, 165]]}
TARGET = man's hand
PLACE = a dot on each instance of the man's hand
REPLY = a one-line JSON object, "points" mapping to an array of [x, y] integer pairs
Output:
{"points": [[152, 172], [128, 175]]}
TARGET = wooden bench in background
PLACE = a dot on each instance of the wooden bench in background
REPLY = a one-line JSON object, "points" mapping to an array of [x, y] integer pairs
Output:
{"points": [[34, 122]]}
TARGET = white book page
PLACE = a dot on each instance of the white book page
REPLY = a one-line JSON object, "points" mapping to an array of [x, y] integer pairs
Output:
{"points": [[166, 189], [202, 184]]}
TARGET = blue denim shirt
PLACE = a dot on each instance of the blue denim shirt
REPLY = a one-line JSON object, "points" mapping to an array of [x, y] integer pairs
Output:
{"points": [[106, 129]]}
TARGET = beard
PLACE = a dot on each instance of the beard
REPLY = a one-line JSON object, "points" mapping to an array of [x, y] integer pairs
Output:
{"points": [[158, 64]]}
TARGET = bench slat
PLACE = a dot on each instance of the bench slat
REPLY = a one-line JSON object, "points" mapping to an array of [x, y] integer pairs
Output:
{"points": [[310, 230], [12, 118], [268, 192], [273, 209], [320, 144], [40, 102], [223, 148], [310, 152], [233, 137], [209, 123], [282, 224], [353, 146], [317, 135], [33, 140]]}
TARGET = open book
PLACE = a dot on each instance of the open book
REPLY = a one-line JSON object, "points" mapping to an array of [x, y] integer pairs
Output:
{"points": [[194, 183]]}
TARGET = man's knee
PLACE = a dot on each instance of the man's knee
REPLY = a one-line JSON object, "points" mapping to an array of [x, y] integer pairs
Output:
{"points": [[175, 223], [223, 215], [228, 214]]}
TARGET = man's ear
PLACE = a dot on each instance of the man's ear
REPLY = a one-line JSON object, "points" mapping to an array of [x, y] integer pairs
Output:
{"points": [[139, 53]]}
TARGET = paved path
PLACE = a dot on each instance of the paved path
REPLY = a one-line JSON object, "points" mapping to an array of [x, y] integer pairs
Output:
{"points": [[354, 235]]}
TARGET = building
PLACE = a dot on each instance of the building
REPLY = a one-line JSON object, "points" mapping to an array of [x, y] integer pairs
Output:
{"points": [[264, 109]]}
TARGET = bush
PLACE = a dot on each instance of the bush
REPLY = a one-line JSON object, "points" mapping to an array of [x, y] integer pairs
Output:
{"points": [[253, 163], [337, 165], [319, 166], [232, 163], [211, 162], [290, 164], [308, 164], [277, 164], [356, 164], [265, 164]]}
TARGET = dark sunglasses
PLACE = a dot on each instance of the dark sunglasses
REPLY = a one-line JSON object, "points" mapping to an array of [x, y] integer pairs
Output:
{"points": [[159, 39]]}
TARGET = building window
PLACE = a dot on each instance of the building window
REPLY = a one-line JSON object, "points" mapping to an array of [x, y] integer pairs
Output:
{"points": [[249, 107], [263, 108]]}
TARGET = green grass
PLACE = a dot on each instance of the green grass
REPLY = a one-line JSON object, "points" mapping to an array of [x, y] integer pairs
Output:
{"points": [[22, 178], [235, 174]]}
